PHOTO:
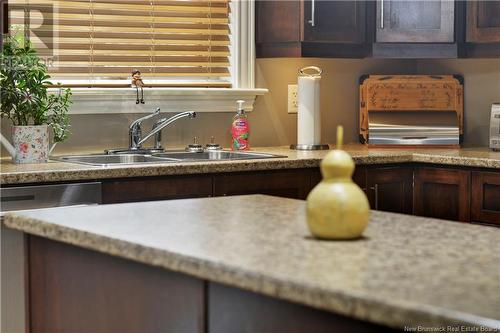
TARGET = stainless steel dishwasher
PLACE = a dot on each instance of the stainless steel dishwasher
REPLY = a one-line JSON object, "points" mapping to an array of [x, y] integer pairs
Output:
{"points": [[13, 307]]}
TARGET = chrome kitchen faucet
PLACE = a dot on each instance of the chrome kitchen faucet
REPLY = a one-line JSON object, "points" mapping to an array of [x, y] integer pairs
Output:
{"points": [[135, 132]]}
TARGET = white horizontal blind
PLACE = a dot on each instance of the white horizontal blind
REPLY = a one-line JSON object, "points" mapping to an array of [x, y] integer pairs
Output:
{"points": [[100, 42]]}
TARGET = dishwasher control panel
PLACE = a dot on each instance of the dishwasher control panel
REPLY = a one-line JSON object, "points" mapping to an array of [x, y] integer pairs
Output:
{"points": [[48, 196]]}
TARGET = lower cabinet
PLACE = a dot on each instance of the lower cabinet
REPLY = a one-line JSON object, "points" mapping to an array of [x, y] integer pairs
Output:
{"points": [[294, 184], [76, 290], [72, 289], [485, 198], [390, 189], [446, 193], [442, 193], [234, 310], [156, 188]]}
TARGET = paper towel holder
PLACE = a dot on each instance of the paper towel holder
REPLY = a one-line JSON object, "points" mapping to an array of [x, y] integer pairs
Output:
{"points": [[314, 71]]}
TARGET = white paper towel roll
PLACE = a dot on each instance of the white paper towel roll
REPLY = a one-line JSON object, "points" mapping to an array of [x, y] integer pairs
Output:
{"points": [[309, 115]]}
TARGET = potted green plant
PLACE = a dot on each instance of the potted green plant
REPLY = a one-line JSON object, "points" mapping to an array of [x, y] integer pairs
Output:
{"points": [[26, 101]]}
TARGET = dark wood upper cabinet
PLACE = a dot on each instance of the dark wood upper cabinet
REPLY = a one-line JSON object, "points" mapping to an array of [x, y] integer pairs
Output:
{"points": [[483, 29], [311, 28], [334, 21], [442, 193], [390, 189], [483, 21], [378, 29], [485, 198], [278, 21], [415, 21], [418, 29]]}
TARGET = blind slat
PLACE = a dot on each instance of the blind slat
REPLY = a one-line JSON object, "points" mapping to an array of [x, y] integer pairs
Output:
{"points": [[131, 41], [130, 36], [175, 28], [139, 52], [85, 17]]}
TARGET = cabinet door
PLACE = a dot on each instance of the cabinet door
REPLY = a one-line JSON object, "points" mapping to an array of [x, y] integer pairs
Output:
{"points": [[442, 193], [277, 21], [483, 21], [415, 21], [283, 183], [334, 21], [486, 197], [390, 189], [156, 188]]}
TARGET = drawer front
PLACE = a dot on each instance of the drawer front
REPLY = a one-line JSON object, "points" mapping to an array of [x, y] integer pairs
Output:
{"points": [[162, 188], [294, 184]]}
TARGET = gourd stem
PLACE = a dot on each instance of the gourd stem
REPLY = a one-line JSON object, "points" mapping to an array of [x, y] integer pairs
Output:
{"points": [[340, 136]]}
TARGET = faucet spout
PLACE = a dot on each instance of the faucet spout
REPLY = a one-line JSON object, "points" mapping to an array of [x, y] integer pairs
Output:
{"points": [[164, 122]]}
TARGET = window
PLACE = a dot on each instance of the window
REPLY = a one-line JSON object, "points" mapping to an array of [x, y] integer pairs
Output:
{"points": [[98, 43], [193, 54]]}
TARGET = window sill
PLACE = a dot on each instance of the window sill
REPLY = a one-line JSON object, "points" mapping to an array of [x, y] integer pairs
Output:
{"points": [[123, 100]]}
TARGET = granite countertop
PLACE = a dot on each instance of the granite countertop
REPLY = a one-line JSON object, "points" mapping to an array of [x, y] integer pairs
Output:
{"points": [[406, 270], [58, 171]]}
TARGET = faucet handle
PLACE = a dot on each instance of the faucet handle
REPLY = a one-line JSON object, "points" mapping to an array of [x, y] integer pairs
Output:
{"points": [[137, 122], [195, 147], [213, 145]]}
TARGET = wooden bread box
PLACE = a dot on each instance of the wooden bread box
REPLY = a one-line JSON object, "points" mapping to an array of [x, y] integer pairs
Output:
{"points": [[419, 96]]}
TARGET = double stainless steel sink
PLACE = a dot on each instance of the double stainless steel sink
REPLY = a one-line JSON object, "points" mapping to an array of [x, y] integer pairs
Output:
{"points": [[126, 158]]}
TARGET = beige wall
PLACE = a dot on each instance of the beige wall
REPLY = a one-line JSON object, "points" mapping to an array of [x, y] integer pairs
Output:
{"points": [[272, 125], [481, 87]]}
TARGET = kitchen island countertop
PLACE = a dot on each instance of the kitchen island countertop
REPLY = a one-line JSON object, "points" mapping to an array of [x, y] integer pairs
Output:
{"points": [[55, 171], [406, 270]]}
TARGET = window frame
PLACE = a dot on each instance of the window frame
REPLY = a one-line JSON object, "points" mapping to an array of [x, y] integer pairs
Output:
{"points": [[122, 100]]}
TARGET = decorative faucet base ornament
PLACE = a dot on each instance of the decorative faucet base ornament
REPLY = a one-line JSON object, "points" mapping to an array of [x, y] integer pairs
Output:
{"points": [[337, 208]]}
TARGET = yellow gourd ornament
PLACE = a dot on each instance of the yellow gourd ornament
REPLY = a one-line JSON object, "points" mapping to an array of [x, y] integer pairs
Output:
{"points": [[337, 208]]}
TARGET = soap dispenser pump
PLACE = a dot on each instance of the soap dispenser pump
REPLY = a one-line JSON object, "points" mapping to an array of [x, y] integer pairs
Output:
{"points": [[240, 129], [337, 208]]}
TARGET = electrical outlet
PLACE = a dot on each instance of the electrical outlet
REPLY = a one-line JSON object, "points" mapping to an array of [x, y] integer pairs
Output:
{"points": [[293, 100]]}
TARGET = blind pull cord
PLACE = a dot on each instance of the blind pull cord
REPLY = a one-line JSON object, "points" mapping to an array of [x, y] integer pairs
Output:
{"points": [[91, 55]]}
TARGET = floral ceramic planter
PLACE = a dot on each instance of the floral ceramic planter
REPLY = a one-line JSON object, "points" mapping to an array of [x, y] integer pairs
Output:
{"points": [[31, 143]]}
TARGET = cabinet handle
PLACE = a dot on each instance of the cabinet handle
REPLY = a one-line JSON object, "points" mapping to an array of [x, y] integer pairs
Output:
{"points": [[311, 21], [375, 189], [381, 14]]}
